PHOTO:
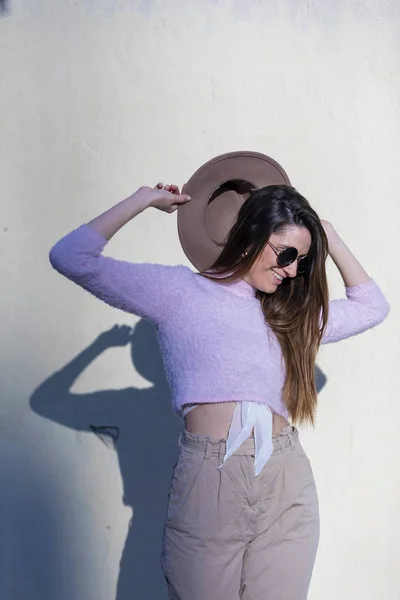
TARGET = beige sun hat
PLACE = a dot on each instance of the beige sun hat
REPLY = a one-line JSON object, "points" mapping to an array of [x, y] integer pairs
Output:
{"points": [[218, 189]]}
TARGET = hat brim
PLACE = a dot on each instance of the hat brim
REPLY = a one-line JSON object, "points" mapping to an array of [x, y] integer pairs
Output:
{"points": [[253, 167]]}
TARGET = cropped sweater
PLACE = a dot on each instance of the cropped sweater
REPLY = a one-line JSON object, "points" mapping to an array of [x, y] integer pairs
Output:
{"points": [[215, 343]]}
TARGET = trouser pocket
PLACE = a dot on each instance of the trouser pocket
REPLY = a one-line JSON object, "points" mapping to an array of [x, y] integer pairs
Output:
{"points": [[184, 476]]}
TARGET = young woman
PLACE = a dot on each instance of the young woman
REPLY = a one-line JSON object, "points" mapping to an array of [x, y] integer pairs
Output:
{"points": [[239, 344]]}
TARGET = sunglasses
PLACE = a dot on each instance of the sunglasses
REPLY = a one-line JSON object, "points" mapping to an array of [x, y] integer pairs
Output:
{"points": [[287, 256]]}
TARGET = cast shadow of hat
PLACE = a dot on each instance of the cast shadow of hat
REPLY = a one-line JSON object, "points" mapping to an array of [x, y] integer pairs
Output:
{"points": [[141, 426]]}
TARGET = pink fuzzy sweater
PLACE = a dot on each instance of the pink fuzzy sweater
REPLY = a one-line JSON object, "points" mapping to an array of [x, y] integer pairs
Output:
{"points": [[214, 340]]}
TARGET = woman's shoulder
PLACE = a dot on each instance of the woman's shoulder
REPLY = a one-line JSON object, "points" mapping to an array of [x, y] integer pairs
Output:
{"points": [[173, 275], [183, 276], [175, 270]]}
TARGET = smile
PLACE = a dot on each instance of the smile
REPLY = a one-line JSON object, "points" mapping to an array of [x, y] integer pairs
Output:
{"points": [[279, 277]]}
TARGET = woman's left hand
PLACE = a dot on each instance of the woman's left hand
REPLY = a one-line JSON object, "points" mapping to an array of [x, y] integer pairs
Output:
{"points": [[352, 272], [328, 228], [331, 233]]}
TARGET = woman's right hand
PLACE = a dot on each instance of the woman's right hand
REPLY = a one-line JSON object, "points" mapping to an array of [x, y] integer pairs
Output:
{"points": [[164, 197]]}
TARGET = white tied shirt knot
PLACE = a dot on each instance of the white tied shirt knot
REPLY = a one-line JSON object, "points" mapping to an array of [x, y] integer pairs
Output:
{"points": [[246, 417]]}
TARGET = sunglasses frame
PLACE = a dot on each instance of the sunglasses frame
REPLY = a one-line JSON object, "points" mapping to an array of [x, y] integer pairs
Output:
{"points": [[279, 252]]}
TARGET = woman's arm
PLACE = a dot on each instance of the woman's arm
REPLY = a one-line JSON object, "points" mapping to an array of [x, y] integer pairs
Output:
{"points": [[365, 306], [149, 291], [350, 269], [166, 198]]}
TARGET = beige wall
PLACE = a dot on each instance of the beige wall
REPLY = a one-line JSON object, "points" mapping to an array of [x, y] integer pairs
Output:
{"points": [[98, 98]]}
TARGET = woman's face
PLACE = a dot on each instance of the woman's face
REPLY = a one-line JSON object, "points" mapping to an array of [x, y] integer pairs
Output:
{"points": [[265, 275]]}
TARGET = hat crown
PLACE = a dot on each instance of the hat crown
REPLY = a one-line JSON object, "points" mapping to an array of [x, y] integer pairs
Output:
{"points": [[223, 207]]}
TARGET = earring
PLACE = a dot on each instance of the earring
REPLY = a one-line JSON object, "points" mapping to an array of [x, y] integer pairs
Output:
{"points": [[245, 254]]}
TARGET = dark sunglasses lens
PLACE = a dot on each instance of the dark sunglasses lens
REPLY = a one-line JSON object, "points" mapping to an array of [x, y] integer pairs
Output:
{"points": [[287, 257], [303, 265]]}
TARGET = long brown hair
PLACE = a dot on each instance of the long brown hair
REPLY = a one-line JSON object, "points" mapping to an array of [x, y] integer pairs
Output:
{"points": [[298, 311]]}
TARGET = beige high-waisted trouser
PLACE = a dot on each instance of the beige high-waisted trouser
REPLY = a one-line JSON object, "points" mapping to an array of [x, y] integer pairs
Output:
{"points": [[231, 535]]}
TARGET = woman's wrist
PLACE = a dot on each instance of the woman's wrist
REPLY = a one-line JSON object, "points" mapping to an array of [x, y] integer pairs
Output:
{"points": [[141, 199], [334, 239], [350, 269], [135, 204], [109, 222]]}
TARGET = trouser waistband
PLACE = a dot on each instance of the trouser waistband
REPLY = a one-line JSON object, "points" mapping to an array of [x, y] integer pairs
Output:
{"points": [[286, 438]]}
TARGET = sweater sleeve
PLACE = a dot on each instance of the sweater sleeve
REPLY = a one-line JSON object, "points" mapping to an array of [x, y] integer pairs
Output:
{"points": [[365, 307], [147, 290]]}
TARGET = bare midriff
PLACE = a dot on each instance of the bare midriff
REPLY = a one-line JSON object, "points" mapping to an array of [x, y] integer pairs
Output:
{"points": [[214, 420]]}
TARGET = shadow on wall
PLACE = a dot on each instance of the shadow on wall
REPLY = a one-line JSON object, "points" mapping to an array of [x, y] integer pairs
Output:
{"points": [[144, 431], [24, 509]]}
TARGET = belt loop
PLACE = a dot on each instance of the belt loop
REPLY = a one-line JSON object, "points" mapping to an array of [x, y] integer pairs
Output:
{"points": [[208, 451]]}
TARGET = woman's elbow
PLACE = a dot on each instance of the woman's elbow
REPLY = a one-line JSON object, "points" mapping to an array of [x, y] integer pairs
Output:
{"points": [[381, 313], [67, 263], [56, 259], [385, 311]]}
